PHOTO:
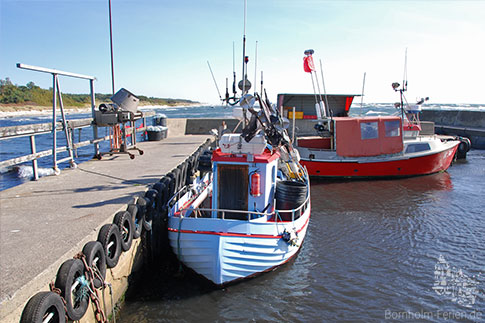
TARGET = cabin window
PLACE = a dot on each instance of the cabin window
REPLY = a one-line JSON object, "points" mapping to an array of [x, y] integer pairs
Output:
{"points": [[416, 148], [392, 128], [369, 130]]}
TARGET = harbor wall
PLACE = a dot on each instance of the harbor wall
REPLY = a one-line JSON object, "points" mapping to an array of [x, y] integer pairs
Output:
{"points": [[470, 124], [86, 199]]}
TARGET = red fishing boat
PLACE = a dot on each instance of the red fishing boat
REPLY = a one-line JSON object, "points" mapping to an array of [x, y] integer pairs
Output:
{"points": [[365, 147]]}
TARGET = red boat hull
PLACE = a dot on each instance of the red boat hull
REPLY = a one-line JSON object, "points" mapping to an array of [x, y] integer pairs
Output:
{"points": [[414, 166]]}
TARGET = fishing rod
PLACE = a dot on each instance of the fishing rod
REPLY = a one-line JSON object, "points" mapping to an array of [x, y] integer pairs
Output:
{"points": [[243, 87], [255, 65], [324, 91], [362, 97], [309, 67], [215, 83], [234, 92]]}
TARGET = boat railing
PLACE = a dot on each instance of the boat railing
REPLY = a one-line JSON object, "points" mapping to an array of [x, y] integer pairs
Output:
{"points": [[229, 214]]}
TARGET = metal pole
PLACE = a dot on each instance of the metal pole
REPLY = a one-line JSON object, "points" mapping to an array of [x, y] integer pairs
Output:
{"points": [[111, 47], [362, 97], [293, 130], [95, 127], [54, 135], [324, 91], [34, 162], [255, 66], [64, 124]]}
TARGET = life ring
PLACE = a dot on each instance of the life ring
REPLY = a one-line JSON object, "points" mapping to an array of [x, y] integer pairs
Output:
{"points": [[137, 218], [124, 222], [74, 288], [43, 305], [96, 259], [110, 238]]}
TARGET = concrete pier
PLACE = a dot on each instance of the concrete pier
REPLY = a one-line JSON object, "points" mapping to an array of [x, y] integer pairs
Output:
{"points": [[466, 123], [46, 222]]}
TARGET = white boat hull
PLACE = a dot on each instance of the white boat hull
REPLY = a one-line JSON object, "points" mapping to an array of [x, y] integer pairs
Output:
{"points": [[225, 251]]}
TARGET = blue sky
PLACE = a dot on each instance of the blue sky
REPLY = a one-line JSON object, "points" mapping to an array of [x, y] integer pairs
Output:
{"points": [[161, 48]]}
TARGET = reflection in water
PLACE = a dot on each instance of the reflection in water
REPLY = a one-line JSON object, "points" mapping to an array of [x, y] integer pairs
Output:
{"points": [[370, 251]]}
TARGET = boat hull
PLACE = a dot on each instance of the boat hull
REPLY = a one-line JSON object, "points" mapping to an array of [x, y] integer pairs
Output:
{"points": [[226, 251], [393, 167]]}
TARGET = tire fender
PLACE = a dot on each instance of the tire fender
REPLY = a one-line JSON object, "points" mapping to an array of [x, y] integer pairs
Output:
{"points": [[109, 237], [69, 280], [137, 218], [96, 259], [124, 222], [41, 304]]}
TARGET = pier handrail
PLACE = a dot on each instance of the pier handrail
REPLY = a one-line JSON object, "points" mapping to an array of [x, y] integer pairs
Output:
{"points": [[33, 130]]}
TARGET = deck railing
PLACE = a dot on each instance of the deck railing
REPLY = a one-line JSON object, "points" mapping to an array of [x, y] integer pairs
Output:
{"points": [[250, 215]]}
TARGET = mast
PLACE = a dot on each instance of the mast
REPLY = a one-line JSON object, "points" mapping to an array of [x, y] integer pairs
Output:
{"points": [[243, 88]]}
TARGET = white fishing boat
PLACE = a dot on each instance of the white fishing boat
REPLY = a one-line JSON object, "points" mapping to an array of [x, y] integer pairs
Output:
{"points": [[248, 215]]}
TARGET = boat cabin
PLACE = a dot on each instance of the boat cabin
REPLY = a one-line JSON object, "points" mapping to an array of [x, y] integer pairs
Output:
{"points": [[360, 137], [244, 176]]}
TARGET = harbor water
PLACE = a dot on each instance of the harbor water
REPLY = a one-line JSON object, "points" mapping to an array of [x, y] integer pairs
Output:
{"points": [[375, 250], [408, 249]]}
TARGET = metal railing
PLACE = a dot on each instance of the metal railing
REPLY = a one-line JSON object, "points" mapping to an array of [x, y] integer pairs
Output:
{"points": [[221, 213], [34, 130]]}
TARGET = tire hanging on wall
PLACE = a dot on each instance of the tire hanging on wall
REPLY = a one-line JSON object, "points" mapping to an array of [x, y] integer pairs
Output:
{"points": [[96, 259], [137, 218], [124, 222], [183, 173], [42, 305], [73, 284], [109, 236], [142, 204], [151, 197]]}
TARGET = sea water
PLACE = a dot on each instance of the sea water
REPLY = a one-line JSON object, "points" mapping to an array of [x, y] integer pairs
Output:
{"points": [[407, 249]]}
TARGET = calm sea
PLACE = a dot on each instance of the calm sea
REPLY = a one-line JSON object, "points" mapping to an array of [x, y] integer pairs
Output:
{"points": [[409, 250]]}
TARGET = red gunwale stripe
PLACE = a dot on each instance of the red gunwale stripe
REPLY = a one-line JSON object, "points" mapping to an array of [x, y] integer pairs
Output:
{"points": [[232, 234]]}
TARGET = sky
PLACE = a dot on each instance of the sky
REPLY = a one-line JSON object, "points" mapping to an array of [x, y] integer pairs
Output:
{"points": [[161, 47]]}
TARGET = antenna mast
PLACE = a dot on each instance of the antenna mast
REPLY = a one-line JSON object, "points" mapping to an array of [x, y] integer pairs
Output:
{"points": [[244, 76]]}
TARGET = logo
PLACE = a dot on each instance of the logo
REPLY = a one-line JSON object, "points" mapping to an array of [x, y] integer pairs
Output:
{"points": [[454, 284]]}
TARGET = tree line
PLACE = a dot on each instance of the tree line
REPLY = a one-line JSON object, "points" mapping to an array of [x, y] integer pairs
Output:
{"points": [[32, 94]]}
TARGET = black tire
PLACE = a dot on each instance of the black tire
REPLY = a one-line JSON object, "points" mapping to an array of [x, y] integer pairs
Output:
{"points": [[164, 193], [109, 236], [96, 259], [143, 203], [137, 218], [171, 184], [40, 305], [176, 179], [124, 222], [183, 173], [151, 198], [77, 299]]}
